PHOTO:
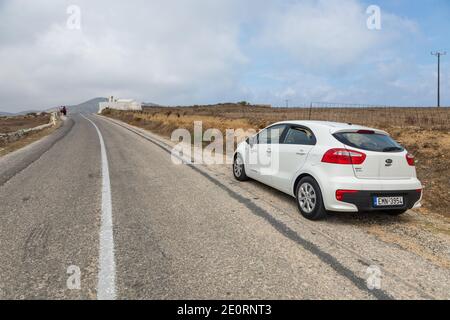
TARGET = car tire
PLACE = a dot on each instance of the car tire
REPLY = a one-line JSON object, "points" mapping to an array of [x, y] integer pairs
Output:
{"points": [[396, 212], [309, 199], [239, 168]]}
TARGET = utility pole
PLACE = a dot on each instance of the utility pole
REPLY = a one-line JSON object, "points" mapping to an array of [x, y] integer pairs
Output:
{"points": [[287, 103], [438, 55]]}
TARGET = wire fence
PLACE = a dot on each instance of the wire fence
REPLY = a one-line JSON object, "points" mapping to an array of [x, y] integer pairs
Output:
{"points": [[374, 115], [368, 115]]}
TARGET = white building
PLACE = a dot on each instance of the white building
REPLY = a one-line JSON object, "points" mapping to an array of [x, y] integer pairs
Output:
{"points": [[119, 104]]}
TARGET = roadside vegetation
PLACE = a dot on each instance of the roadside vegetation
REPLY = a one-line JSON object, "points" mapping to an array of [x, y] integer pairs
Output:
{"points": [[13, 124], [425, 132]]}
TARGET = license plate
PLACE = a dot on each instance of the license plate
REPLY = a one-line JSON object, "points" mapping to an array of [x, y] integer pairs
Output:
{"points": [[388, 201]]}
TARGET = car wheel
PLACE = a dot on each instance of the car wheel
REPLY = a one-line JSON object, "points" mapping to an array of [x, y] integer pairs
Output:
{"points": [[239, 168], [309, 199], [396, 212]]}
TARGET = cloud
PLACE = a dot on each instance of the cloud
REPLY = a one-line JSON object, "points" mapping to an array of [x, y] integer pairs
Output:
{"points": [[324, 51], [329, 33], [159, 50], [203, 51]]}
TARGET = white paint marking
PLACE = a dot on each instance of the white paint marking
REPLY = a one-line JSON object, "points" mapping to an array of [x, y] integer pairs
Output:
{"points": [[106, 287]]}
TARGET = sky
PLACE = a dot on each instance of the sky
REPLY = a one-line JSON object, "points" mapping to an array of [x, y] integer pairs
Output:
{"points": [[56, 52]]}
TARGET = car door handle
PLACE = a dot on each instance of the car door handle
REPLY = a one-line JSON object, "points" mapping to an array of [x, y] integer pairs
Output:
{"points": [[301, 153], [269, 151]]}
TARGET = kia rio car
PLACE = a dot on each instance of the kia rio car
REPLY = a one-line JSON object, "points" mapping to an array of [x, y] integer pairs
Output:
{"points": [[330, 166]]}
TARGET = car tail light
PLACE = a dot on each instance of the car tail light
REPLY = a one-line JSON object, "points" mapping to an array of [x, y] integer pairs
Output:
{"points": [[344, 156], [419, 191], [365, 132], [341, 193], [411, 159]]}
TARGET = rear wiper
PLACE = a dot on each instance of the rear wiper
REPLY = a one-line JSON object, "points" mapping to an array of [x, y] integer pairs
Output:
{"points": [[390, 149]]}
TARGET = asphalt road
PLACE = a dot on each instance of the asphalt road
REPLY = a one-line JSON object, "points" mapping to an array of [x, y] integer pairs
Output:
{"points": [[178, 231]]}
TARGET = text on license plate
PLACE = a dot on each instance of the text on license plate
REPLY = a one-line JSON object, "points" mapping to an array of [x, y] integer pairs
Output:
{"points": [[387, 201]]}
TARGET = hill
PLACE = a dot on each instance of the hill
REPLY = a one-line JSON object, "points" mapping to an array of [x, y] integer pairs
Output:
{"points": [[90, 106]]}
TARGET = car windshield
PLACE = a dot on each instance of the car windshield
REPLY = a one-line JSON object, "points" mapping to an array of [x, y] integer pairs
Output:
{"points": [[369, 141]]}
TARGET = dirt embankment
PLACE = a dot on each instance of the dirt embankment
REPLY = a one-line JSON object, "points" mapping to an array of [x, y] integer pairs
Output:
{"points": [[428, 141], [432, 151], [12, 124]]}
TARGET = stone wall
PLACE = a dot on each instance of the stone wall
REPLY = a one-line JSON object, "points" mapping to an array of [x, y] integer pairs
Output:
{"points": [[6, 138]]}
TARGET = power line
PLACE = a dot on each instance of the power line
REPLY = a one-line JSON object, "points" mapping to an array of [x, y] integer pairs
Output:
{"points": [[438, 55]]}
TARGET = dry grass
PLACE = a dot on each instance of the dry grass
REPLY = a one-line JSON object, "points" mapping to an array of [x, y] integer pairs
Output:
{"points": [[164, 123], [423, 131], [29, 138], [12, 124], [260, 117], [432, 151]]}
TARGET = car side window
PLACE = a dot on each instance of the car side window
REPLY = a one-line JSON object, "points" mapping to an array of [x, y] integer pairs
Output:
{"points": [[272, 135], [300, 136], [262, 137]]}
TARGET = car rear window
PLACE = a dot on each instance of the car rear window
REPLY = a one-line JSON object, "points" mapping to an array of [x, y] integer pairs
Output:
{"points": [[369, 141]]}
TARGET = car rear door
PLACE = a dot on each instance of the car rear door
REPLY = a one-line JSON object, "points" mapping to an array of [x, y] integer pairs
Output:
{"points": [[264, 155], [298, 141]]}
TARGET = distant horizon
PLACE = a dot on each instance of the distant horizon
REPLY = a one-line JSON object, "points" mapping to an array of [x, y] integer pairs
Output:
{"points": [[317, 104]]}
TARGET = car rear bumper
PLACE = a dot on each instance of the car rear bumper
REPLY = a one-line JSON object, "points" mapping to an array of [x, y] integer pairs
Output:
{"points": [[364, 200], [366, 190]]}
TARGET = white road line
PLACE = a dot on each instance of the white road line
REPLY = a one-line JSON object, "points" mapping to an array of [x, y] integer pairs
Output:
{"points": [[106, 286]]}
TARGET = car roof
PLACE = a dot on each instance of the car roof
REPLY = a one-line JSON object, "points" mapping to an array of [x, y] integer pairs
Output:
{"points": [[331, 126]]}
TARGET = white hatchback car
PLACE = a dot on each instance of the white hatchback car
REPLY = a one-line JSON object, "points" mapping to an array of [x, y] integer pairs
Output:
{"points": [[331, 167]]}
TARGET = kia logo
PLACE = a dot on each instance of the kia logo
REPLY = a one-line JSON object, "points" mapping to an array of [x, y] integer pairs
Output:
{"points": [[389, 162]]}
